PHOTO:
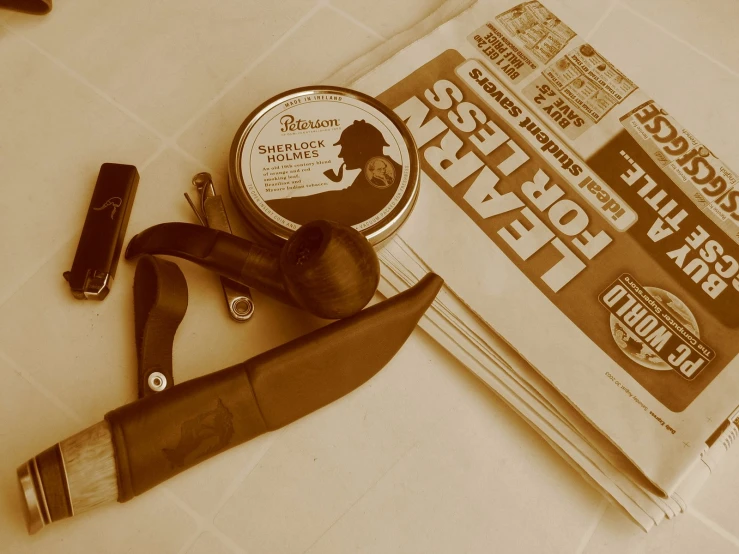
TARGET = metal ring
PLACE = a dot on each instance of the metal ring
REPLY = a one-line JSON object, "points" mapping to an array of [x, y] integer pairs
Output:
{"points": [[157, 381], [242, 308], [32, 503]]}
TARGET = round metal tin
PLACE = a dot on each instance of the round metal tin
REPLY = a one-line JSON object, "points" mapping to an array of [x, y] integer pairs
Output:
{"points": [[324, 153]]}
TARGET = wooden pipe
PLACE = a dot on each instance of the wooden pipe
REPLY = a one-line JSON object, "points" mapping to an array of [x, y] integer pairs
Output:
{"points": [[144, 443], [326, 268]]}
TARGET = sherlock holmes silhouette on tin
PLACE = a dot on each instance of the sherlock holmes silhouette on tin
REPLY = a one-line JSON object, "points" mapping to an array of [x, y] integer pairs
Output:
{"points": [[362, 147]]}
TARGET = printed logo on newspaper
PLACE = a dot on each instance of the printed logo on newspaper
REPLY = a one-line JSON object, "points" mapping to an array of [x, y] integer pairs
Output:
{"points": [[655, 329], [710, 185]]}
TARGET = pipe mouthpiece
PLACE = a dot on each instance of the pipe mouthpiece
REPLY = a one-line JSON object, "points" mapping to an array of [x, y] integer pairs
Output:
{"points": [[185, 240]]}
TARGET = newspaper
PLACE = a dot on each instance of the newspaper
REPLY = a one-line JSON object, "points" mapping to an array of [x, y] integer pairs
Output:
{"points": [[588, 242]]}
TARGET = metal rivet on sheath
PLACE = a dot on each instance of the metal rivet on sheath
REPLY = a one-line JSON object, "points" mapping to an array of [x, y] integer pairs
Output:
{"points": [[242, 308], [157, 381]]}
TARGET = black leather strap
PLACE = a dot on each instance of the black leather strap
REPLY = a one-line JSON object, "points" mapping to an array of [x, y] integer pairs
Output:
{"points": [[160, 302]]}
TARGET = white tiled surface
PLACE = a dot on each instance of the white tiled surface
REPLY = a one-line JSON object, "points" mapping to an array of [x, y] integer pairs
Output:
{"points": [[423, 459]]}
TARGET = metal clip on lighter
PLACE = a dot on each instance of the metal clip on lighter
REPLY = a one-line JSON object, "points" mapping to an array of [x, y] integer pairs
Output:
{"points": [[213, 214]]}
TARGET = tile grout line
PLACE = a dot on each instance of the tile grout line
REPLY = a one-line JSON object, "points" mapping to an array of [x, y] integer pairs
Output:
{"points": [[585, 540], [601, 20], [227, 495], [429, 431], [41, 389], [207, 523], [713, 526], [34, 271], [150, 160], [237, 79], [166, 142], [677, 38], [365, 493], [357, 22], [241, 476], [81, 79], [203, 524], [188, 544], [210, 525], [203, 166]]}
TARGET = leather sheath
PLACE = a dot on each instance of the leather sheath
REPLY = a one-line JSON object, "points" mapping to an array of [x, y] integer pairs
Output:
{"points": [[160, 435]]}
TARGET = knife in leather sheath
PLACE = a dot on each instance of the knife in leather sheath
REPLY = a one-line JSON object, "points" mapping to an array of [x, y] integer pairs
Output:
{"points": [[146, 442]]}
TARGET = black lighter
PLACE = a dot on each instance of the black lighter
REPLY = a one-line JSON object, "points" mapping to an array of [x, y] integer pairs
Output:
{"points": [[102, 235]]}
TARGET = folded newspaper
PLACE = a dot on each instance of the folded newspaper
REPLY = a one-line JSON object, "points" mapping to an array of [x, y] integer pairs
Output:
{"points": [[589, 243]]}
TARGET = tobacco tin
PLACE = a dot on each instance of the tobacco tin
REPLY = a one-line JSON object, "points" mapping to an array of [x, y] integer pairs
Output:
{"points": [[324, 153]]}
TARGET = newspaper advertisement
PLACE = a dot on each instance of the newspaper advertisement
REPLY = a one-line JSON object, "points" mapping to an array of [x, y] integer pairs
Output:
{"points": [[578, 219]]}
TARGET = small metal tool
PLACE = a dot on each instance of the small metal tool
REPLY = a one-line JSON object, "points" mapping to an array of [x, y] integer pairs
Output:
{"points": [[212, 213]]}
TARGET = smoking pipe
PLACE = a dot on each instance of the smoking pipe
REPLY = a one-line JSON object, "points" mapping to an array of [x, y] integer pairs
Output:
{"points": [[326, 268], [333, 176], [146, 442]]}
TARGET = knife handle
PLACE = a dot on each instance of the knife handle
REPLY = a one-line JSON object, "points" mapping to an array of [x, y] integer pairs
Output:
{"points": [[69, 478]]}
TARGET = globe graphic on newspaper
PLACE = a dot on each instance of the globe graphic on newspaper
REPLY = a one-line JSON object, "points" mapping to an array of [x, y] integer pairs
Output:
{"points": [[635, 348]]}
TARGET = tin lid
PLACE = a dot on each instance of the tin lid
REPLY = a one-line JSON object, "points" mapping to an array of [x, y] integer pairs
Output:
{"points": [[324, 153]]}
